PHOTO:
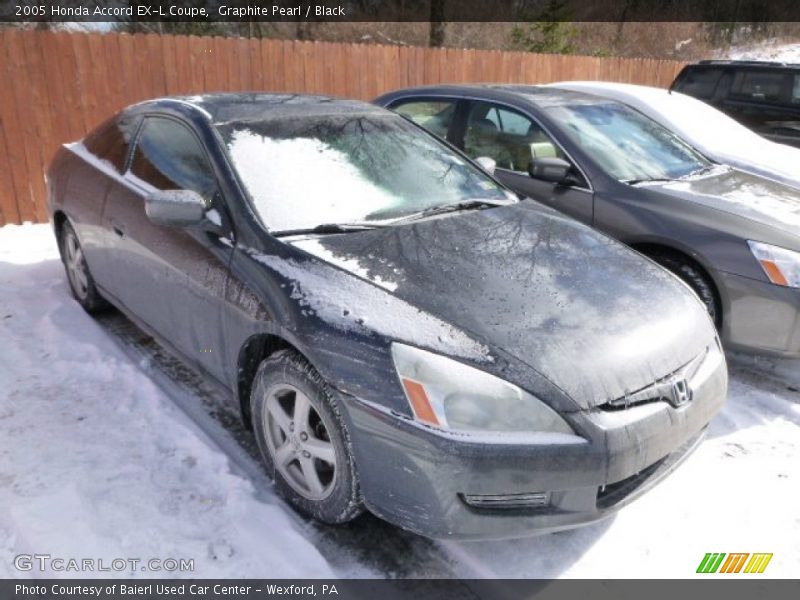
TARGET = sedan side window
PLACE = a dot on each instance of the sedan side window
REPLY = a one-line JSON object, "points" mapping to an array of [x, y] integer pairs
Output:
{"points": [[111, 140], [796, 90], [507, 136], [169, 156], [433, 115]]}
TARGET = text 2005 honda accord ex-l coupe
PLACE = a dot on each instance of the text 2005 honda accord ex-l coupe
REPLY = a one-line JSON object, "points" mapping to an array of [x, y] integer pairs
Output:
{"points": [[402, 332]]}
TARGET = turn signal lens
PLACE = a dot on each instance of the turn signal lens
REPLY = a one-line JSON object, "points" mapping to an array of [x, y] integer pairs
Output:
{"points": [[419, 402], [781, 266]]}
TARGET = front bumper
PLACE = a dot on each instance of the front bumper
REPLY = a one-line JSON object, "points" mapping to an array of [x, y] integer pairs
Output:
{"points": [[761, 317], [418, 478]]}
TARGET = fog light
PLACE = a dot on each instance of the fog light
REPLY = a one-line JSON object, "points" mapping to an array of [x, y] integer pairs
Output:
{"points": [[530, 500]]}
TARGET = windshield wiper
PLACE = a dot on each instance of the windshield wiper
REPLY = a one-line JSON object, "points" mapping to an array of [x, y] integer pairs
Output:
{"points": [[648, 180], [702, 170], [328, 228], [455, 207]]}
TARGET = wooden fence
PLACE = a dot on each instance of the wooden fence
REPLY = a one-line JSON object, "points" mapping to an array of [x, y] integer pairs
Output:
{"points": [[57, 86]]}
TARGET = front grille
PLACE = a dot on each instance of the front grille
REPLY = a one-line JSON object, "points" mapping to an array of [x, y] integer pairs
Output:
{"points": [[611, 494], [661, 389], [614, 493]]}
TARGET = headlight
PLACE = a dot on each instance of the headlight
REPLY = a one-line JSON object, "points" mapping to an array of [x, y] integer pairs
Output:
{"points": [[782, 266], [451, 395]]}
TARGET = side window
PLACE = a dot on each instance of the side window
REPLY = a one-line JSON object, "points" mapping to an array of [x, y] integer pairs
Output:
{"points": [[169, 156], [764, 86], [111, 140], [508, 137], [699, 82], [796, 90], [433, 115]]}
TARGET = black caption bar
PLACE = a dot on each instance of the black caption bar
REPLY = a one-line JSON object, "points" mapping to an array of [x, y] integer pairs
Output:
{"points": [[261, 589], [732, 11]]}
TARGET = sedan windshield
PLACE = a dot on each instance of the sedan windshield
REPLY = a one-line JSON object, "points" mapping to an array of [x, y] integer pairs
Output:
{"points": [[626, 144], [305, 171]]}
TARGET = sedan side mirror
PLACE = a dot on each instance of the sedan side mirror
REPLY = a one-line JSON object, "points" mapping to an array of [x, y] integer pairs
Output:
{"points": [[487, 164], [554, 170], [175, 208]]}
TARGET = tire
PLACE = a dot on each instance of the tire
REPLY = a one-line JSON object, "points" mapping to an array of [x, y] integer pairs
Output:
{"points": [[294, 414], [81, 282], [696, 279]]}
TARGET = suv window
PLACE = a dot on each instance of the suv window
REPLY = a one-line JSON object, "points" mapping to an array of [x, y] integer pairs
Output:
{"points": [[169, 156], [699, 82], [796, 90], [508, 137], [759, 85], [111, 140], [433, 115]]}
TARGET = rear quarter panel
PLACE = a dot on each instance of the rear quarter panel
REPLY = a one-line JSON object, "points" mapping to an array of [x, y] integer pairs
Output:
{"points": [[78, 183]]}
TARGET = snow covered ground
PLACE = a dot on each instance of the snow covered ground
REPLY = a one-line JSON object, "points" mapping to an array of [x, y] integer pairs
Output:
{"points": [[108, 451], [769, 50]]}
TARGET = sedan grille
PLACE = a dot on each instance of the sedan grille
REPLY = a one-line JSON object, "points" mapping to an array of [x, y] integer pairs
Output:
{"points": [[675, 388]]}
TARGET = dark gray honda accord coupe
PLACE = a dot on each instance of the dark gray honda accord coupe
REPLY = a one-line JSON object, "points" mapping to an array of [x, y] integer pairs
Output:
{"points": [[732, 236], [401, 332]]}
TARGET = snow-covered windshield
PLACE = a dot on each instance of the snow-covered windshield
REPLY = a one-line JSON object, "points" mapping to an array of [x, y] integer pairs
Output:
{"points": [[304, 171], [626, 144]]}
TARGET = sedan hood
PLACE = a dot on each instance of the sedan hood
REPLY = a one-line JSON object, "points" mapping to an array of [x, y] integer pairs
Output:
{"points": [[593, 317], [750, 196]]}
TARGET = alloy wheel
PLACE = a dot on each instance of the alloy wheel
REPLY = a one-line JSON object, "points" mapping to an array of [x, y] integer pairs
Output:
{"points": [[76, 266], [298, 440]]}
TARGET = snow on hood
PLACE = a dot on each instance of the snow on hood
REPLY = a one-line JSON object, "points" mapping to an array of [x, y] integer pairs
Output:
{"points": [[762, 200], [593, 317], [351, 305]]}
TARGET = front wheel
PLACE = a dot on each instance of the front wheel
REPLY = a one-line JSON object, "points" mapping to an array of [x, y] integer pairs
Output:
{"points": [[696, 279], [303, 439]]}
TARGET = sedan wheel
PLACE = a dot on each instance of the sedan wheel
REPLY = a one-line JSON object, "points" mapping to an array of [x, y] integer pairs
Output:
{"points": [[303, 438], [80, 279], [76, 265], [299, 442]]}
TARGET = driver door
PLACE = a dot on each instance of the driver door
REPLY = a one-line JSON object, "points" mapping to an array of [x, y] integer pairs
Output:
{"points": [[512, 140], [172, 278]]}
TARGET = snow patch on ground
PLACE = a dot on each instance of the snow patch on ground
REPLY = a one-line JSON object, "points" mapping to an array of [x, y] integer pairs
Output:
{"points": [[772, 50], [95, 460]]}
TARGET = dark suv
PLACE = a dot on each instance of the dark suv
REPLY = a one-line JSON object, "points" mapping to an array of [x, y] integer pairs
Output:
{"points": [[764, 96]]}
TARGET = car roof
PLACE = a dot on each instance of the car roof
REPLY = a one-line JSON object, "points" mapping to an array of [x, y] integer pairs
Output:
{"points": [[536, 95], [766, 64], [221, 108]]}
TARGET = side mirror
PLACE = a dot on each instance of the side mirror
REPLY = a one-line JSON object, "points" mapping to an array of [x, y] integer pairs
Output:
{"points": [[554, 170], [175, 208], [487, 164]]}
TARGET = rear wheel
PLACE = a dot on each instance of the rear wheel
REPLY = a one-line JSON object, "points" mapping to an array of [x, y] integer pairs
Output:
{"points": [[303, 439], [696, 279], [80, 279]]}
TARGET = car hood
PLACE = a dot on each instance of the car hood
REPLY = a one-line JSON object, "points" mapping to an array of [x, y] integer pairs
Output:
{"points": [[593, 317], [750, 196]]}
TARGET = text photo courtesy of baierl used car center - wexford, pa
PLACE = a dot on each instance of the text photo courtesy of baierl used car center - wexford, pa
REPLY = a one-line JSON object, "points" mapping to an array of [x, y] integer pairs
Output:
{"points": [[420, 298]]}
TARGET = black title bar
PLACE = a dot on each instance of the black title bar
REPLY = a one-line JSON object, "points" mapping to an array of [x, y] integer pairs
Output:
{"points": [[733, 11]]}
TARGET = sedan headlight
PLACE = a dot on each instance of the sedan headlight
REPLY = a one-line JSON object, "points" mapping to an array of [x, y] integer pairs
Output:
{"points": [[451, 395], [782, 266]]}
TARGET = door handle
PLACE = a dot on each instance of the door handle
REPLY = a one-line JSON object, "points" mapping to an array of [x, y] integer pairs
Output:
{"points": [[118, 231]]}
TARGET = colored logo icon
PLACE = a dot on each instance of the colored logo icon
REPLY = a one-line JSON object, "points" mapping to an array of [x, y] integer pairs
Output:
{"points": [[742, 562]]}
